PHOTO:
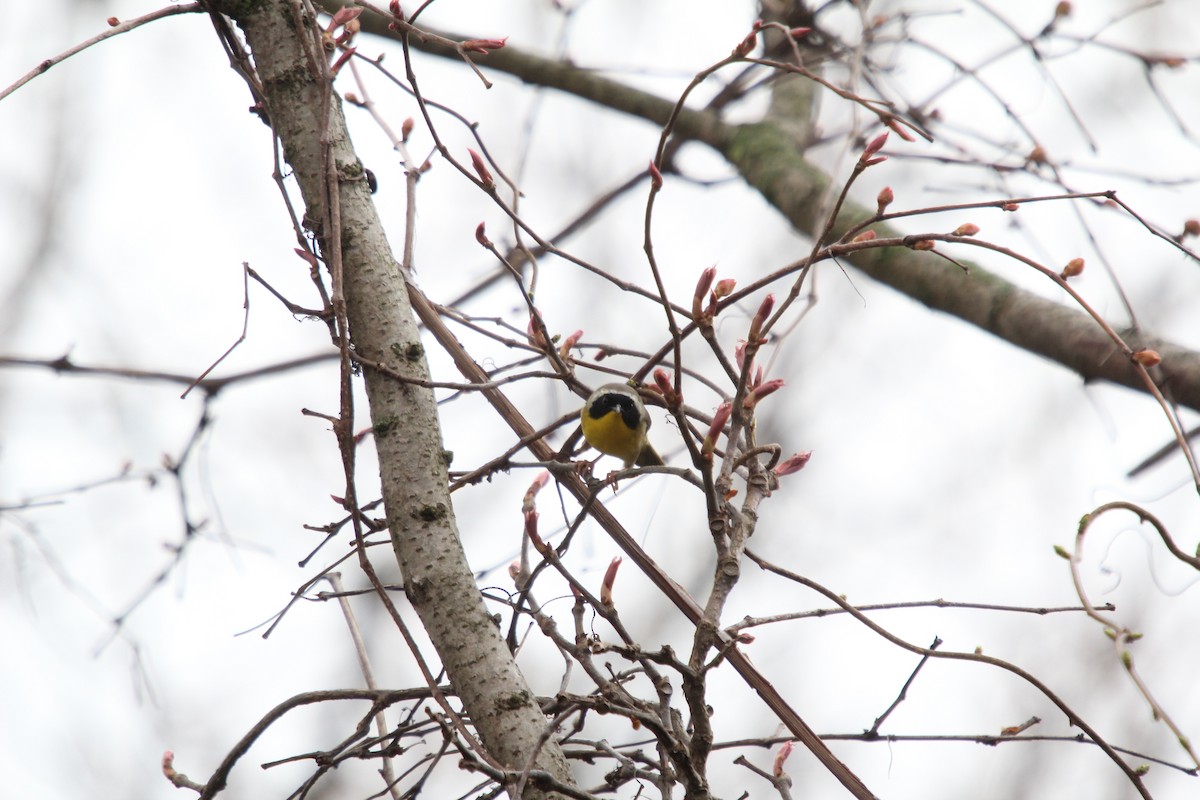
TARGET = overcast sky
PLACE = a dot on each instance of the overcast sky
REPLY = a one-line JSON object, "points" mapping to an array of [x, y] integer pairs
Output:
{"points": [[134, 185]]}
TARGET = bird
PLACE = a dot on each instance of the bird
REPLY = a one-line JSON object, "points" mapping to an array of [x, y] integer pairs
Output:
{"points": [[615, 422]]}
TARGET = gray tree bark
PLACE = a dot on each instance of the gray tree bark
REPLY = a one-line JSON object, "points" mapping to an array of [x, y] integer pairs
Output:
{"points": [[307, 116]]}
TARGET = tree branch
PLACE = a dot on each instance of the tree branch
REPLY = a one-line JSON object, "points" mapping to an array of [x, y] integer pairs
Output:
{"points": [[307, 117]]}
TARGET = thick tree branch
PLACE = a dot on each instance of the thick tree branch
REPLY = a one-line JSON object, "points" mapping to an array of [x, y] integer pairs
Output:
{"points": [[307, 117]]}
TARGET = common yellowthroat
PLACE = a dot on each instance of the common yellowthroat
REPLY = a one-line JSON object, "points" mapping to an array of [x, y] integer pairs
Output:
{"points": [[615, 422]]}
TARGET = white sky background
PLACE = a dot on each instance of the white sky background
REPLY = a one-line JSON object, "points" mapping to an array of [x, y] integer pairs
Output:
{"points": [[946, 464]]}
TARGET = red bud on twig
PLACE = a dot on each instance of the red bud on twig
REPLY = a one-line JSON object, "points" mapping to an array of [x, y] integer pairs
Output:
{"points": [[485, 177], [720, 417], [884, 199], [345, 56], [746, 46], [781, 756], [342, 16], [702, 287], [564, 349], [1074, 267], [762, 390], [307, 256], [793, 463], [868, 157], [656, 179], [610, 577], [484, 45], [534, 331], [739, 353], [901, 131], [760, 318], [538, 483], [1147, 357], [531, 530], [662, 381], [481, 235], [966, 229]]}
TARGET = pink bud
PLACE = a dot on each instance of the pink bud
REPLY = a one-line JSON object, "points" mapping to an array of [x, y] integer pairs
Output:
{"points": [[406, 129], [720, 417], [793, 463], [307, 256], [345, 56], [610, 577], [481, 235], [724, 288], [874, 146], [531, 530], [900, 130], [656, 179], [484, 45], [884, 199], [702, 287], [922, 244], [538, 483], [1074, 267], [485, 177], [865, 236], [746, 46], [760, 318], [796, 33], [966, 229], [781, 756], [739, 353], [762, 390], [394, 7], [342, 16], [534, 331], [1010, 206], [662, 381], [564, 349], [1147, 357], [112, 23]]}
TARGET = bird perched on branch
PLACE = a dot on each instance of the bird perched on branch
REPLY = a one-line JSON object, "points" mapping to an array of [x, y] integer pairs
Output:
{"points": [[615, 422]]}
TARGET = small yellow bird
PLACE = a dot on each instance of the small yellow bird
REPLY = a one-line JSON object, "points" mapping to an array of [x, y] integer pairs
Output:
{"points": [[615, 422]]}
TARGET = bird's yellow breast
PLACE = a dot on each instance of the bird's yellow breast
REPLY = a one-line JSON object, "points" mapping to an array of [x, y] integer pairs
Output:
{"points": [[610, 435]]}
